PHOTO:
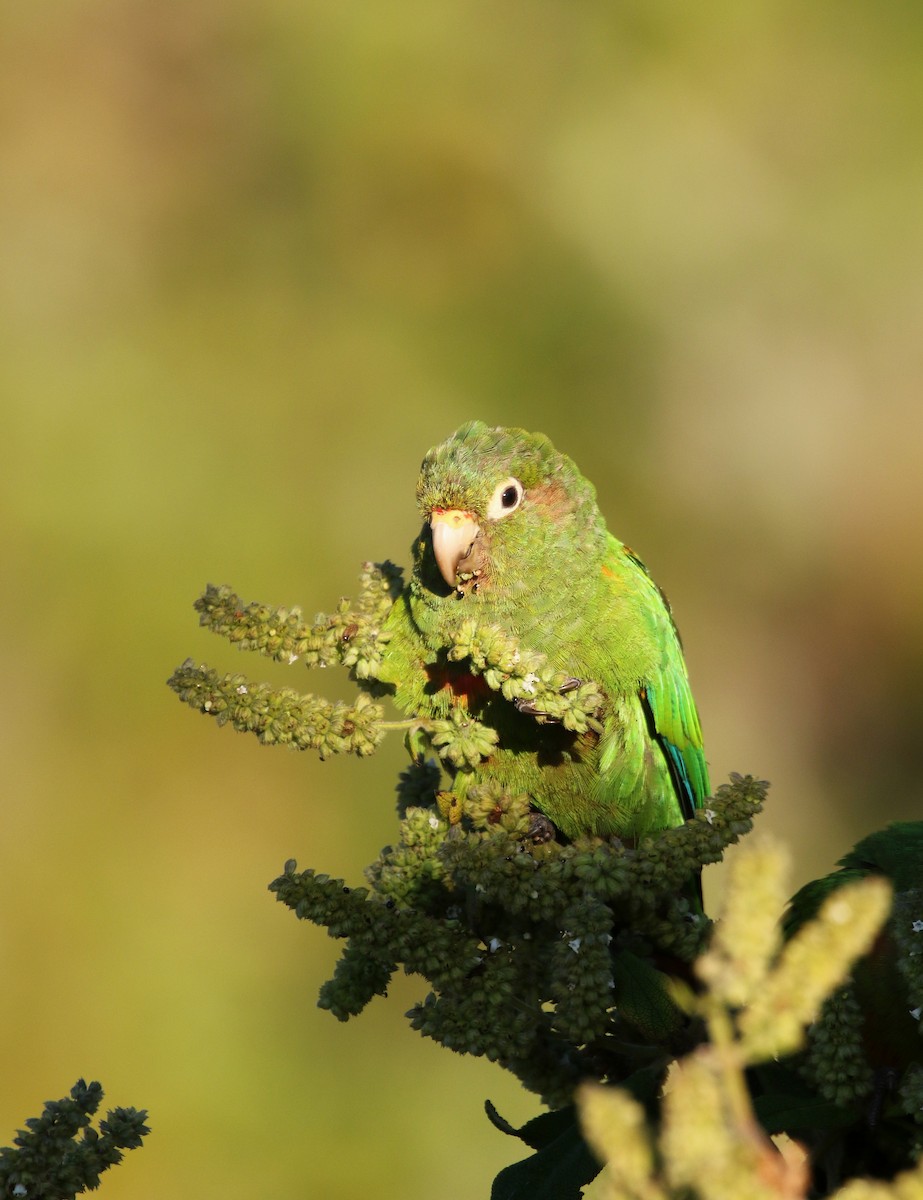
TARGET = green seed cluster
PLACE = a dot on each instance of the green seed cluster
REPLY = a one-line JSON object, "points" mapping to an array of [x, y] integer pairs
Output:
{"points": [[461, 740], [911, 1096], [489, 1014], [524, 675], [834, 1062], [280, 717], [907, 930], [60, 1154], [580, 972], [380, 935], [352, 635], [359, 976], [489, 807], [517, 940], [676, 928], [501, 870], [412, 873], [379, 586], [279, 633]]}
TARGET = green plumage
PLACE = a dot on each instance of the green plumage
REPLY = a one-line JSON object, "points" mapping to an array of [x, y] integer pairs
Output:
{"points": [[549, 574]]}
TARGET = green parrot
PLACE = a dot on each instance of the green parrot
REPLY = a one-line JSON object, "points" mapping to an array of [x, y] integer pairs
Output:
{"points": [[513, 538]]}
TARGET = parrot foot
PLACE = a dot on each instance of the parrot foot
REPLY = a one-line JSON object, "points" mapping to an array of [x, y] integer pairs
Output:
{"points": [[541, 830], [531, 709]]}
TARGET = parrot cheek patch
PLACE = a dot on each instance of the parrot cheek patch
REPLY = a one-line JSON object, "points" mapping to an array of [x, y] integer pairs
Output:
{"points": [[553, 499]]}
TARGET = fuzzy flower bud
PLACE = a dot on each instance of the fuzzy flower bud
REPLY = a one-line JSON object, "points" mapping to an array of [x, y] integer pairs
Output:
{"points": [[813, 962]]}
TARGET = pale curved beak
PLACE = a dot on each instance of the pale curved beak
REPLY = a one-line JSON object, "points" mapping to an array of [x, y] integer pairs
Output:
{"points": [[454, 532]]}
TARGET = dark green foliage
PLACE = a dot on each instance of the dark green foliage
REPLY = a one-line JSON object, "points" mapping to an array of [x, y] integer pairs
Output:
{"points": [[563, 1163], [864, 1055], [59, 1155], [560, 1167], [525, 947]]}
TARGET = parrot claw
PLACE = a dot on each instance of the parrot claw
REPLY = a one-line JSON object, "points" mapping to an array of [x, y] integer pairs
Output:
{"points": [[531, 709], [569, 685], [541, 830]]}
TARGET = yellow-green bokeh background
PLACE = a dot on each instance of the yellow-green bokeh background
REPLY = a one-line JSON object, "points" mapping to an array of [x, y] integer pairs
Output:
{"points": [[254, 260]]}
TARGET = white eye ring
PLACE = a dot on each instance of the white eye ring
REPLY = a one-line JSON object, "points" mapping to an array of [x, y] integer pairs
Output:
{"points": [[506, 499]]}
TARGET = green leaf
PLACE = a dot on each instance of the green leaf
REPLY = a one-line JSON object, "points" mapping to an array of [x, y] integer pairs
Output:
{"points": [[558, 1171], [783, 1103], [780, 1112], [541, 1131]]}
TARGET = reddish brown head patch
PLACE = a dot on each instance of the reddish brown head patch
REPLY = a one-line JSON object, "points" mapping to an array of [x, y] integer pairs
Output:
{"points": [[552, 499]]}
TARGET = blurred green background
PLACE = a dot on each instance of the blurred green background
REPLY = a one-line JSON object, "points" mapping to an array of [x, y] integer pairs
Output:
{"points": [[256, 259]]}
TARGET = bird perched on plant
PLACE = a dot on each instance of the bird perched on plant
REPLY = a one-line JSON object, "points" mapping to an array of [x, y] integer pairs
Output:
{"points": [[513, 541]]}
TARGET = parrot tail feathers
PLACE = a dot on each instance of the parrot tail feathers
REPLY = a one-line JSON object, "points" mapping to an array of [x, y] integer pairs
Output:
{"points": [[680, 776]]}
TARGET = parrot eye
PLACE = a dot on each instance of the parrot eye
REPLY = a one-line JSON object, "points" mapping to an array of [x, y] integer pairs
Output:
{"points": [[506, 498]]}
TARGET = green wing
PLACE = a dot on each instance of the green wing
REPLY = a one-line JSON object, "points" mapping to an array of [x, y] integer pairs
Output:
{"points": [[665, 695]]}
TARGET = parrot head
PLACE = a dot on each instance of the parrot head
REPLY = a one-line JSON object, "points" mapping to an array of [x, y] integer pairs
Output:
{"points": [[505, 512]]}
